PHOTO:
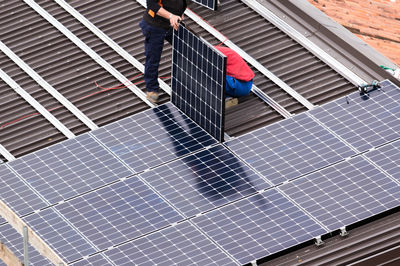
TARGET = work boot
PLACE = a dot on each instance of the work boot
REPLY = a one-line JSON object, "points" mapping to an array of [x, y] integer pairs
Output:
{"points": [[229, 102], [152, 96]]}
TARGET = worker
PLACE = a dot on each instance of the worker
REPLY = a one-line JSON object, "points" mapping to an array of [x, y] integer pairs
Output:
{"points": [[239, 76], [160, 18]]}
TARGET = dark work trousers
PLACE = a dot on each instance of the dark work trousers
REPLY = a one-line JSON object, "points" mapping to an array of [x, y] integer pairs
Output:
{"points": [[153, 46]]}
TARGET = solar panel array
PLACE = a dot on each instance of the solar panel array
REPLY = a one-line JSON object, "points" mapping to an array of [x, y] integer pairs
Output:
{"points": [[198, 81], [211, 4], [200, 202]]}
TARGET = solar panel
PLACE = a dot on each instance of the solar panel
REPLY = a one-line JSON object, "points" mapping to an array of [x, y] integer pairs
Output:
{"points": [[118, 212], [387, 157], [59, 235], [290, 148], [69, 168], [198, 81], [153, 137], [364, 121], [181, 244], [17, 194], [15, 242], [258, 226], [204, 180], [211, 4], [344, 193]]}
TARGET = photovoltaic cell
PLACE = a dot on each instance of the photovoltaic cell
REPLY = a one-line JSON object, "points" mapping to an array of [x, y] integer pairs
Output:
{"points": [[364, 121], [211, 4], [182, 244], [59, 235], [388, 158], [258, 226], [290, 148], [119, 212], [69, 168], [15, 243], [198, 81], [17, 194], [153, 137], [344, 193], [204, 180]]}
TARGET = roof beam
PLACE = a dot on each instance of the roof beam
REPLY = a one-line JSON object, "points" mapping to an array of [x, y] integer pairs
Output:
{"points": [[18, 224], [45, 85], [27, 97], [8, 257], [312, 47], [116, 47], [89, 51]]}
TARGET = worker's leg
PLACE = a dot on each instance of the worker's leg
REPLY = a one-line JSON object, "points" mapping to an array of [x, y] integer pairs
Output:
{"points": [[237, 88], [154, 42]]}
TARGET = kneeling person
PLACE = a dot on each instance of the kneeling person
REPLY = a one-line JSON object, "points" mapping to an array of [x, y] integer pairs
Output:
{"points": [[239, 76]]}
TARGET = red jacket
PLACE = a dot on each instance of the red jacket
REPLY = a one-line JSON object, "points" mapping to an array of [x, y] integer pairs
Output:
{"points": [[235, 66]]}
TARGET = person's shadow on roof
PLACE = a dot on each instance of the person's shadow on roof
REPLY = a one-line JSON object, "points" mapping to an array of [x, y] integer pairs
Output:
{"points": [[218, 174]]}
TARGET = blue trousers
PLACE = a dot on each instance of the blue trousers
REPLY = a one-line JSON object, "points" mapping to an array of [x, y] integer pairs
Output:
{"points": [[237, 88], [153, 46]]}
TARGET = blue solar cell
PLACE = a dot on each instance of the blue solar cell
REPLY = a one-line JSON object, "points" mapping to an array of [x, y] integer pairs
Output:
{"points": [[344, 193], [204, 180], [153, 137], [69, 168], [59, 235], [181, 244], [118, 212], [364, 121], [17, 194], [15, 243], [258, 226], [289, 148], [387, 157], [198, 81]]}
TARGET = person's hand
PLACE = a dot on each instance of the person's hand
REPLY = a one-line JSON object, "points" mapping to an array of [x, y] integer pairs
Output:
{"points": [[174, 21]]}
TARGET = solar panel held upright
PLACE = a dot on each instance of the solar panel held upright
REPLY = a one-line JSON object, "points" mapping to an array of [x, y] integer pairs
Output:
{"points": [[198, 81]]}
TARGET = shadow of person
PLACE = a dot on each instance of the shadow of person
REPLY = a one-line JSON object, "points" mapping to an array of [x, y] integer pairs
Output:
{"points": [[218, 175]]}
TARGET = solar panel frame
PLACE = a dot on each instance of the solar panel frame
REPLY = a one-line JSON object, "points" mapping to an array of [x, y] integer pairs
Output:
{"points": [[198, 81], [182, 244], [70, 168], [289, 148], [210, 4], [364, 121], [204, 180], [345, 193], [119, 212], [258, 226], [153, 137]]}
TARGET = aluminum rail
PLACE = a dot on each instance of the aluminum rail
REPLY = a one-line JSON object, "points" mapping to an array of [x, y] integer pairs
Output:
{"points": [[312, 47], [89, 51], [43, 111], [101, 35], [6, 154], [50, 89], [249, 59], [276, 106]]}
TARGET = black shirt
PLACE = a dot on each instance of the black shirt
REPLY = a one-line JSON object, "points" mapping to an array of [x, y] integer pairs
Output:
{"points": [[176, 7]]}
